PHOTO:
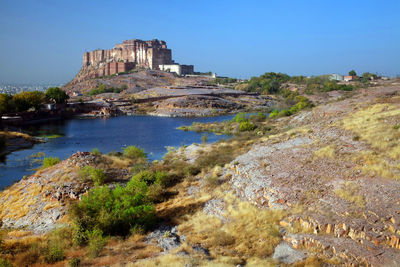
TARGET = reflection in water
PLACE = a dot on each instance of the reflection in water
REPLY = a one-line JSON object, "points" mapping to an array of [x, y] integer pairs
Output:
{"points": [[64, 138]]}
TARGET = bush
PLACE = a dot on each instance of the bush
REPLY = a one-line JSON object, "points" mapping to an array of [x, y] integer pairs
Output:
{"points": [[247, 126], [240, 117], [134, 152], [260, 117], [50, 161], [96, 151], [74, 262], [5, 263], [54, 252], [151, 177], [112, 211], [97, 176], [274, 113], [96, 242], [204, 138]]}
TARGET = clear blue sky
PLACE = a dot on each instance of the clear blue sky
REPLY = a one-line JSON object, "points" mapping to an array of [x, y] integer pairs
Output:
{"points": [[43, 40]]}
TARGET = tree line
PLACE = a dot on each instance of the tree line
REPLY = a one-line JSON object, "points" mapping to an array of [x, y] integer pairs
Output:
{"points": [[31, 99]]}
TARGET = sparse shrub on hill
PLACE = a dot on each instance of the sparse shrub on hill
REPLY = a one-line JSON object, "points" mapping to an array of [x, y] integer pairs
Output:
{"points": [[50, 161], [240, 117], [134, 152], [247, 126], [102, 88], [151, 177], [90, 173], [5, 263], [96, 242], [113, 211], [96, 151]]}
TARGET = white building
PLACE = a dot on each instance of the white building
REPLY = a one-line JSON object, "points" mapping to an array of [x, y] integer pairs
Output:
{"points": [[177, 68], [335, 77]]}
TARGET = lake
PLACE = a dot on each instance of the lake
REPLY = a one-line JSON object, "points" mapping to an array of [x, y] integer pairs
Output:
{"points": [[153, 134]]}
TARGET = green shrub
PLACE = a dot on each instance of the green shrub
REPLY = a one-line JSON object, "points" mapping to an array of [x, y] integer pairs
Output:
{"points": [[240, 117], [54, 252], [5, 263], [155, 193], [274, 114], [96, 151], [204, 138], [285, 112], [97, 176], [74, 262], [151, 177], [96, 242], [260, 117], [113, 211], [247, 126], [50, 161], [134, 152]]}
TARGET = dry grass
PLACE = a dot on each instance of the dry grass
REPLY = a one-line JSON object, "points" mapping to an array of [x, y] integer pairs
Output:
{"points": [[249, 231], [19, 198], [349, 191], [377, 126], [325, 152], [10, 135]]}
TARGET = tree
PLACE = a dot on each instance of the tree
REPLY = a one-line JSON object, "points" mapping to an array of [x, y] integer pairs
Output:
{"points": [[57, 95], [26, 100], [352, 73], [5, 103]]}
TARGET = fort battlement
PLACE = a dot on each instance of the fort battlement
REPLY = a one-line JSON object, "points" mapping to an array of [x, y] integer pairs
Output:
{"points": [[125, 56]]}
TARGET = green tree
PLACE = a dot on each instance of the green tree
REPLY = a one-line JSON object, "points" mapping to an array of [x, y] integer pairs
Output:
{"points": [[352, 73], [26, 100], [57, 95], [5, 103]]}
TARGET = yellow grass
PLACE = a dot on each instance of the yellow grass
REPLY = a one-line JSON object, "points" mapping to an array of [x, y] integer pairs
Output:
{"points": [[8, 134], [377, 126], [349, 191], [249, 231], [325, 152]]}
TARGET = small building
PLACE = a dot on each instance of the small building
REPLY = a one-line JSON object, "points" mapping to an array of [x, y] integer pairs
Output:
{"points": [[49, 106], [177, 68], [335, 77], [75, 93], [350, 78]]}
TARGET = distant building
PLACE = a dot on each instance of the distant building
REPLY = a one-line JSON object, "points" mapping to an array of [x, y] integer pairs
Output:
{"points": [[335, 77], [350, 78], [177, 68]]}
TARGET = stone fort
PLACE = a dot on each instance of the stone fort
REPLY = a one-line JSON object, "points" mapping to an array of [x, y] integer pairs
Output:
{"points": [[130, 54]]}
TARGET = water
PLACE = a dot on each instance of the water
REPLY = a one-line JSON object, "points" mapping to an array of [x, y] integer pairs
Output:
{"points": [[153, 134]]}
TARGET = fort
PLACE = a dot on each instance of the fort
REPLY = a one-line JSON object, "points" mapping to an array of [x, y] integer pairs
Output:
{"points": [[128, 55]]}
